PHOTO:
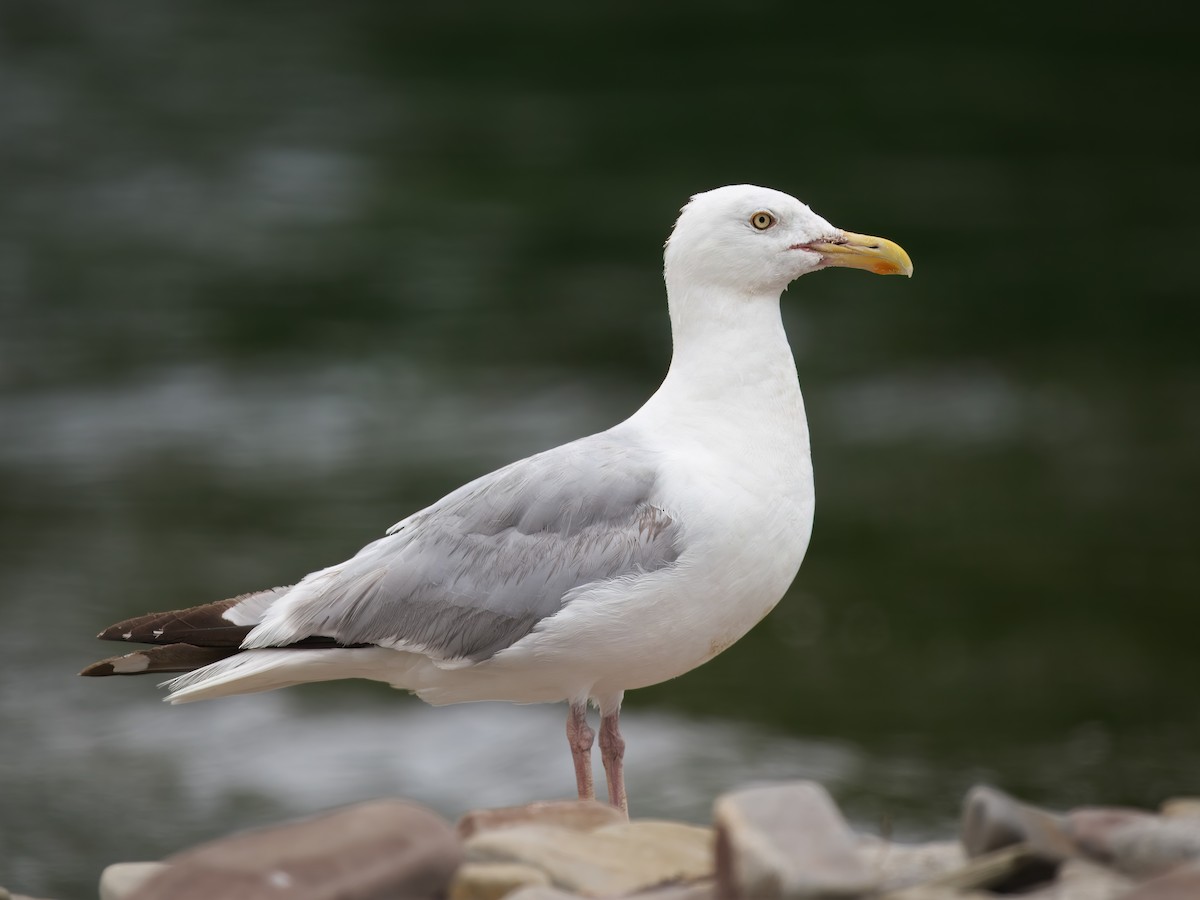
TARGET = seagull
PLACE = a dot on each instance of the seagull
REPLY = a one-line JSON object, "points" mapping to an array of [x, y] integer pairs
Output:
{"points": [[610, 563]]}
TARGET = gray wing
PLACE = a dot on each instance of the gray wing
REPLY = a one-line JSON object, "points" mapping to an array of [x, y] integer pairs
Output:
{"points": [[475, 572]]}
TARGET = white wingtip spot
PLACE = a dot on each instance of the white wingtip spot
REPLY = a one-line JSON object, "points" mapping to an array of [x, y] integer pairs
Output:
{"points": [[134, 662]]}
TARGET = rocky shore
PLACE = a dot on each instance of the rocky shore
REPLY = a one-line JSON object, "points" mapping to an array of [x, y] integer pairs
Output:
{"points": [[781, 841]]}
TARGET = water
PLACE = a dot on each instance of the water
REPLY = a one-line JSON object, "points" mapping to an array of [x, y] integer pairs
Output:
{"points": [[269, 282]]}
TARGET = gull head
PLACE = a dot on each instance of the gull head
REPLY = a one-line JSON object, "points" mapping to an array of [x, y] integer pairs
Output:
{"points": [[755, 240]]}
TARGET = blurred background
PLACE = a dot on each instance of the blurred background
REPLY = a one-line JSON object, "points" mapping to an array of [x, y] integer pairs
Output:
{"points": [[272, 276]]}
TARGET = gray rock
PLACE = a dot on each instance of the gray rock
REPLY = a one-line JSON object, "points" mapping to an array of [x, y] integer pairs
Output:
{"points": [[581, 815], [615, 859], [786, 841], [371, 851], [992, 821], [120, 880], [1134, 842]]}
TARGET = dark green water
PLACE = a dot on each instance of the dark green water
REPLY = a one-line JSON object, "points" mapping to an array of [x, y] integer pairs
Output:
{"points": [[272, 277]]}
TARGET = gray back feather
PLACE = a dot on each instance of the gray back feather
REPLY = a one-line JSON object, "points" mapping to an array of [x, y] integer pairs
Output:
{"points": [[475, 572]]}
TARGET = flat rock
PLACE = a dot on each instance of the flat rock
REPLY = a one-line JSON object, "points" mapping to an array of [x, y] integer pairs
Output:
{"points": [[929, 892], [539, 892], [786, 841], [370, 851], [701, 890], [896, 866], [614, 859], [491, 881], [581, 815], [120, 880]]}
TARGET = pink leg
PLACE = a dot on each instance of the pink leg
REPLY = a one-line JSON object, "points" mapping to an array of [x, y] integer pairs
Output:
{"points": [[612, 752], [580, 736]]}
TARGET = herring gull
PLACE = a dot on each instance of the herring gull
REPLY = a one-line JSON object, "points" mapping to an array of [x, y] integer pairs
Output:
{"points": [[613, 562]]}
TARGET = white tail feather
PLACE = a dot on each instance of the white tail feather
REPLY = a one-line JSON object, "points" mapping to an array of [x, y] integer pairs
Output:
{"points": [[253, 671]]}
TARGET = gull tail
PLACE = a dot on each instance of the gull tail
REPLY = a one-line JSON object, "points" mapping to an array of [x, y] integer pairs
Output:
{"points": [[186, 639], [253, 671], [204, 643]]}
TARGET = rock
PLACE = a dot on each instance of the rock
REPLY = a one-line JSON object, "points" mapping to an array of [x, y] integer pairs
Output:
{"points": [[1182, 883], [120, 880], [997, 871], [927, 892], [702, 890], [992, 820], [1134, 842], [896, 866], [491, 881], [5, 894], [542, 893], [382, 849], [581, 815], [1181, 808], [614, 859], [785, 841], [1080, 879], [1092, 829]]}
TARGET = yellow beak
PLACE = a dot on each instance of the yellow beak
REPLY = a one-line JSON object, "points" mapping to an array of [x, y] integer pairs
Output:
{"points": [[862, 251]]}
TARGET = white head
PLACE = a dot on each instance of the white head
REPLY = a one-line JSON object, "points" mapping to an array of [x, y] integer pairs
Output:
{"points": [[754, 240]]}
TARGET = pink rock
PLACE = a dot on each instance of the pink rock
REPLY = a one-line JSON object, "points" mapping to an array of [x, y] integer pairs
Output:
{"points": [[786, 841], [1092, 828], [372, 851], [1181, 884], [1137, 843]]}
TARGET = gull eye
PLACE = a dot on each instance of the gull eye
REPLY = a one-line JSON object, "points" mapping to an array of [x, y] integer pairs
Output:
{"points": [[762, 220]]}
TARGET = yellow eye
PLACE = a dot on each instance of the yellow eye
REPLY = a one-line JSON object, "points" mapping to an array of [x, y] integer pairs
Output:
{"points": [[762, 220]]}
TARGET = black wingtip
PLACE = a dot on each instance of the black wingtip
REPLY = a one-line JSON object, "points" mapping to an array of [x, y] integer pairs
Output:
{"points": [[165, 658], [98, 669]]}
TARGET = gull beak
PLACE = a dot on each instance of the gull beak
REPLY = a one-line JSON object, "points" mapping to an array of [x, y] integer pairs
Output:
{"points": [[862, 251]]}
